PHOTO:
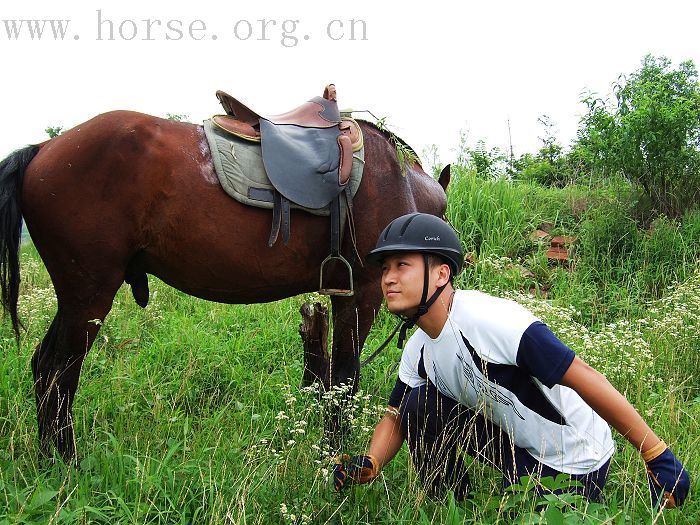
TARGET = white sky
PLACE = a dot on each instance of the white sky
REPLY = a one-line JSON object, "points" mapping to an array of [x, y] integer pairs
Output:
{"points": [[432, 68]]}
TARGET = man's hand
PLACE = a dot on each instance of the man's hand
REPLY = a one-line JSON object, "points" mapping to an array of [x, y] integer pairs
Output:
{"points": [[354, 470], [668, 479]]}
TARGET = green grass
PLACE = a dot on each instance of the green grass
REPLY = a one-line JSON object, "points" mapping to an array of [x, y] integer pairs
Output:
{"points": [[620, 265], [192, 412]]}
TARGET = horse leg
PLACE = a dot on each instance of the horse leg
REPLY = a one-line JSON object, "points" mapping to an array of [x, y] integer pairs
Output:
{"points": [[56, 365], [352, 320]]}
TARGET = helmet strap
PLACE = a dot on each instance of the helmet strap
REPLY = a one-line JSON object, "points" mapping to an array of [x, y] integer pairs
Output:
{"points": [[424, 305]]}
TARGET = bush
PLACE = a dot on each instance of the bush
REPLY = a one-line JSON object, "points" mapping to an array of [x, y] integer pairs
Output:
{"points": [[651, 134], [628, 266], [552, 166], [541, 170]]}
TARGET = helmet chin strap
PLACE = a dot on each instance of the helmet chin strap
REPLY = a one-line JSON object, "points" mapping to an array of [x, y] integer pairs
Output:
{"points": [[423, 307]]}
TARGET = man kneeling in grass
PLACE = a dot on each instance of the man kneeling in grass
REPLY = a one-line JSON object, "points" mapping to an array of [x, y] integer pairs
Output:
{"points": [[484, 376]]}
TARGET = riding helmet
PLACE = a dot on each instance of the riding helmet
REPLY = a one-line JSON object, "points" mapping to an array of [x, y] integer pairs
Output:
{"points": [[422, 233]]}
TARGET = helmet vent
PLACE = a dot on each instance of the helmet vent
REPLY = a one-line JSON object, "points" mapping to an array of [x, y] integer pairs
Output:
{"points": [[407, 223], [386, 231]]}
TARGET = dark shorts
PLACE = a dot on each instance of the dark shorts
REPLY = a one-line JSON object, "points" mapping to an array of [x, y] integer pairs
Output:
{"points": [[437, 428]]}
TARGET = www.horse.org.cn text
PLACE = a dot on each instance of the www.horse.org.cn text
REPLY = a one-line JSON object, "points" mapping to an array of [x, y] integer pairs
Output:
{"points": [[106, 28]]}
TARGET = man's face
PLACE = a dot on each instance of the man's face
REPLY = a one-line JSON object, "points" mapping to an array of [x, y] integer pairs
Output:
{"points": [[402, 282]]}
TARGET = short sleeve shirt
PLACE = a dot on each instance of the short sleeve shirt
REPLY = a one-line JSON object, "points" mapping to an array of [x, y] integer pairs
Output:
{"points": [[495, 356]]}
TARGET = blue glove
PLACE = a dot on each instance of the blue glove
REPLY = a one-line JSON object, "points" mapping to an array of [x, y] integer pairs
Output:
{"points": [[668, 479], [354, 470]]}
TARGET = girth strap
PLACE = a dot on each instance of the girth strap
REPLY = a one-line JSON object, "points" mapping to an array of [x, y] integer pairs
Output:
{"points": [[286, 219], [280, 218]]}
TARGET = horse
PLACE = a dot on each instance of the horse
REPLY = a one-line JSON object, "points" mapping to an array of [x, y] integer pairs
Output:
{"points": [[126, 194]]}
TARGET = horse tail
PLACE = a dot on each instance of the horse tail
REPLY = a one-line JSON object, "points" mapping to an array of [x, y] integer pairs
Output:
{"points": [[11, 175]]}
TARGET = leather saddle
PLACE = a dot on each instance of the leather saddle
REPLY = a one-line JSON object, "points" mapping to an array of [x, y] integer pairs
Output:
{"points": [[307, 153]]}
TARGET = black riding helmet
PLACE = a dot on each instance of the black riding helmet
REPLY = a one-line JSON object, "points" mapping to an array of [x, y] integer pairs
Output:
{"points": [[423, 233], [420, 233]]}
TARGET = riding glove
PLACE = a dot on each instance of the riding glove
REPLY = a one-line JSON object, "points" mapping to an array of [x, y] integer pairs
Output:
{"points": [[668, 479], [354, 470]]}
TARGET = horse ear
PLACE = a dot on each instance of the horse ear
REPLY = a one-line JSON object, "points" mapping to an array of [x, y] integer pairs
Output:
{"points": [[444, 178]]}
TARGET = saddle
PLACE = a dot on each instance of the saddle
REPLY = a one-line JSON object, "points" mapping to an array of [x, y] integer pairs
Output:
{"points": [[308, 155]]}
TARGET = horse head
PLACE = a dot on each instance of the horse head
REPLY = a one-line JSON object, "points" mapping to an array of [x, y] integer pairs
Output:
{"points": [[395, 183]]}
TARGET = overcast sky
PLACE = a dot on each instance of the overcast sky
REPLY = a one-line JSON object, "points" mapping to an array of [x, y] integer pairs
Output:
{"points": [[431, 68]]}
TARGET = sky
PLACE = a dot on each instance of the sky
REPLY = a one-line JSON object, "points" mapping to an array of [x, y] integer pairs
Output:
{"points": [[435, 71]]}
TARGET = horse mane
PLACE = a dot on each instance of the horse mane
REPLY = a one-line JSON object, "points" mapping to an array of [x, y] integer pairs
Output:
{"points": [[392, 137]]}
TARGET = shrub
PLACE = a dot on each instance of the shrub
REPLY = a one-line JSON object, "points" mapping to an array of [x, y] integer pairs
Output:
{"points": [[651, 133]]}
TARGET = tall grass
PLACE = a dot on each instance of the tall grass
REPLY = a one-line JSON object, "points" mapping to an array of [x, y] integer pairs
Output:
{"points": [[619, 264], [191, 412]]}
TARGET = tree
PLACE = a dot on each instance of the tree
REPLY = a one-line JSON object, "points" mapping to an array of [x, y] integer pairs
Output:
{"points": [[488, 163], [548, 167], [651, 133]]}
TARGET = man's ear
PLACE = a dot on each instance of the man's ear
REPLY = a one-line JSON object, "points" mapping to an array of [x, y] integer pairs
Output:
{"points": [[443, 275]]}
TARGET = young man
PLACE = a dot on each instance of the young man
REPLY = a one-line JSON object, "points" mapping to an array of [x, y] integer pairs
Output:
{"points": [[482, 375]]}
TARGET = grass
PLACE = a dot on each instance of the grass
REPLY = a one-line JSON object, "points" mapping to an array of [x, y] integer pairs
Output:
{"points": [[619, 265], [191, 412]]}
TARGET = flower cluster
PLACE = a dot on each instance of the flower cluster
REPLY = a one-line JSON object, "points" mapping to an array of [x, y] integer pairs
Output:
{"points": [[36, 307], [494, 262], [622, 350], [678, 312], [294, 517], [618, 350], [300, 442]]}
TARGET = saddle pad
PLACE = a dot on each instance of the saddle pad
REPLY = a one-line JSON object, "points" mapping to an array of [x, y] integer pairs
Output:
{"points": [[239, 166]]}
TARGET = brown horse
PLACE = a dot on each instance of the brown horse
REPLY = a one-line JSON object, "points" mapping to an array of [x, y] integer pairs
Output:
{"points": [[126, 194]]}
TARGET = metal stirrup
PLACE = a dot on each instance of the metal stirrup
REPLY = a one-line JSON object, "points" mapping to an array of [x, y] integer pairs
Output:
{"points": [[335, 254], [336, 291]]}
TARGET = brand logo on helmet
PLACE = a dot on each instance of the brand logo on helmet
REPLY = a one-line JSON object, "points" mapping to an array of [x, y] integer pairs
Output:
{"points": [[428, 238]]}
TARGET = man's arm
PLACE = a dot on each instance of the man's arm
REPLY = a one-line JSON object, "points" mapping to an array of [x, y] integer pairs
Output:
{"points": [[669, 481], [385, 444], [387, 438], [609, 404]]}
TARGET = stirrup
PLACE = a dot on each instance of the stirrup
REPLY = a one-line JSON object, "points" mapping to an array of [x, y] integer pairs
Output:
{"points": [[336, 291]]}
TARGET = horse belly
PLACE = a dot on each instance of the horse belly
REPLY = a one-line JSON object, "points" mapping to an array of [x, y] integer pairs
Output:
{"points": [[223, 255]]}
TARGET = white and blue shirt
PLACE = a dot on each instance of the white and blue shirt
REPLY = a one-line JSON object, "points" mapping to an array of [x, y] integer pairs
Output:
{"points": [[495, 357]]}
